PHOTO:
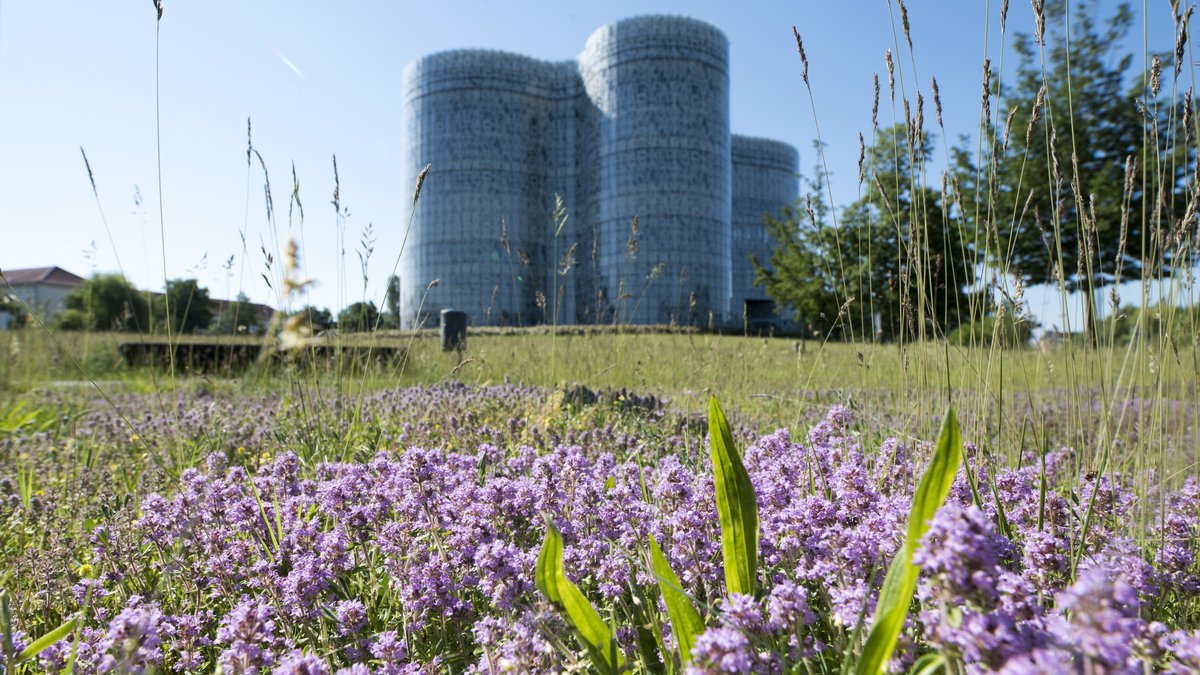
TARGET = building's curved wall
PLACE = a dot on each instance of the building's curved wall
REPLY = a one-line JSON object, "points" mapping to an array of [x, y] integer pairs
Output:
{"points": [[490, 125], [764, 180], [658, 88], [636, 125]]}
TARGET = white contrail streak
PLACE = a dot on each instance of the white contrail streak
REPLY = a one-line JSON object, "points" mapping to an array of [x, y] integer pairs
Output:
{"points": [[288, 62]]}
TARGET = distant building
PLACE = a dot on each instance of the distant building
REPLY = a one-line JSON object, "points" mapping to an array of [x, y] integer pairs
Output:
{"points": [[262, 314], [43, 289], [636, 126]]}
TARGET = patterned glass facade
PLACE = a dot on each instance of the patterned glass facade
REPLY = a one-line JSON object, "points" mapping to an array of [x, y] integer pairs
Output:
{"points": [[636, 126], [764, 178]]}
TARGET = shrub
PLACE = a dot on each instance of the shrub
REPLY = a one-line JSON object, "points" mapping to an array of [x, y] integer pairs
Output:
{"points": [[1005, 330]]}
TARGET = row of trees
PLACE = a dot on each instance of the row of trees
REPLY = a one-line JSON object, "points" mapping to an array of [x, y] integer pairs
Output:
{"points": [[1080, 181], [108, 302]]}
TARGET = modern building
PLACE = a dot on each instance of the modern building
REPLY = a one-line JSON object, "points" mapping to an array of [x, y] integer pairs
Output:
{"points": [[660, 206], [42, 289]]}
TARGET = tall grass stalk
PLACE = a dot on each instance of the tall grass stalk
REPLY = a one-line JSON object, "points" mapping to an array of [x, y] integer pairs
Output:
{"points": [[162, 220]]}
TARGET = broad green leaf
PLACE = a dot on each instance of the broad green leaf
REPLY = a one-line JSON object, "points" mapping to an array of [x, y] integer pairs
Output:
{"points": [[548, 558], [551, 580], [685, 621], [6, 632], [736, 506], [14, 418], [896, 594], [41, 644], [928, 665]]}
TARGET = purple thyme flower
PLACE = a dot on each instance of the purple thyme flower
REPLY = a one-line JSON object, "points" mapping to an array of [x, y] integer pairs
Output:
{"points": [[960, 556], [132, 643], [351, 616], [1103, 622], [299, 663], [249, 632], [787, 607], [1039, 662], [721, 650], [742, 612], [389, 648]]}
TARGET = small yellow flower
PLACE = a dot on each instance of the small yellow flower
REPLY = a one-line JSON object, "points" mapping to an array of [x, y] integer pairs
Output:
{"points": [[134, 438], [86, 571]]}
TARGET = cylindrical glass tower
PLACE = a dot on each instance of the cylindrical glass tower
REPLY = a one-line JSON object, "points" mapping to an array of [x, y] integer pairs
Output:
{"points": [[659, 91]]}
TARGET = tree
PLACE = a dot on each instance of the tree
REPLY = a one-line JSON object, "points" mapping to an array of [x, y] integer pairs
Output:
{"points": [[360, 316], [315, 319], [1051, 201], [187, 306], [895, 267], [1008, 326], [391, 318], [106, 302], [797, 275], [11, 304], [239, 316]]}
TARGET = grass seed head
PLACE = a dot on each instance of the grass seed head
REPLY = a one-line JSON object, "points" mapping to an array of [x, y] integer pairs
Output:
{"points": [[920, 117], [875, 105], [891, 68], [1039, 20], [803, 56], [1008, 125], [1181, 39], [985, 95], [937, 102], [420, 182], [1035, 114], [862, 155], [1187, 117]]}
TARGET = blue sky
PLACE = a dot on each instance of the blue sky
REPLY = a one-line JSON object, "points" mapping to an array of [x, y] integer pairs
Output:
{"points": [[319, 78]]}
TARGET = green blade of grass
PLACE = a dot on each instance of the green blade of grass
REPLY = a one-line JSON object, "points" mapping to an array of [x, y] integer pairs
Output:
{"points": [[901, 581], [736, 506], [551, 580], [685, 620], [43, 643]]}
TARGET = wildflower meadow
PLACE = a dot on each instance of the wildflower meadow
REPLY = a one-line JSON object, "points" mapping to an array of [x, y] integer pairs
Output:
{"points": [[919, 480]]}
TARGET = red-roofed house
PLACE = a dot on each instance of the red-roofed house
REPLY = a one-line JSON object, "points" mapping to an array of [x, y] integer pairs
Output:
{"points": [[42, 288]]}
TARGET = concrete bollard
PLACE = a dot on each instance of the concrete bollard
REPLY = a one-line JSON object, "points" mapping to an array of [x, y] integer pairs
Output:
{"points": [[454, 330]]}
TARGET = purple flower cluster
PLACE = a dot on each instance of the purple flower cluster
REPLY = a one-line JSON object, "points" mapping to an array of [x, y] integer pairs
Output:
{"points": [[247, 635], [411, 548]]}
